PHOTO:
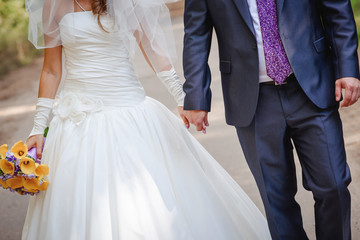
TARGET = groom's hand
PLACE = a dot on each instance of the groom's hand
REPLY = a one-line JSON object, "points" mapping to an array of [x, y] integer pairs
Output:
{"points": [[198, 118], [352, 90]]}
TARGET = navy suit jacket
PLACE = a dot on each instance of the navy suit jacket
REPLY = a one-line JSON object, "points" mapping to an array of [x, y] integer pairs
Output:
{"points": [[319, 37]]}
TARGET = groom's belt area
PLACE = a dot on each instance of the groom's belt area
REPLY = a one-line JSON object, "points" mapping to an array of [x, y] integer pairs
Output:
{"points": [[290, 78]]}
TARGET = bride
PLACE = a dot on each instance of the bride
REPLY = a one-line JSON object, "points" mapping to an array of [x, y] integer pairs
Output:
{"points": [[122, 166]]}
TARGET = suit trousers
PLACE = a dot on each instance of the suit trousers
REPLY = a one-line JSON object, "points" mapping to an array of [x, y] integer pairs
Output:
{"points": [[285, 117]]}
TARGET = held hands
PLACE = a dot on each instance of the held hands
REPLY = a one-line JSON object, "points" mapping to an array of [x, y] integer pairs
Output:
{"points": [[36, 141], [352, 90], [196, 117], [185, 120]]}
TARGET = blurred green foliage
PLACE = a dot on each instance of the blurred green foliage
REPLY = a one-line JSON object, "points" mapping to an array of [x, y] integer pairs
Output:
{"points": [[15, 49], [356, 7]]}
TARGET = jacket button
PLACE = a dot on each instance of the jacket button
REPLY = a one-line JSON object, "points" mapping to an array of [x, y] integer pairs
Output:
{"points": [[254, 46]]}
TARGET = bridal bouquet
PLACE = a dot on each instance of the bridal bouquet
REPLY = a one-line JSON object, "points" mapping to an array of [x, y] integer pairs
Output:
{"points": [[21, 171]]}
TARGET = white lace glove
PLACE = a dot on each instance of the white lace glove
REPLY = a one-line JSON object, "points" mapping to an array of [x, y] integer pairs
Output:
{"points": [[172, 82], [43, 109]]}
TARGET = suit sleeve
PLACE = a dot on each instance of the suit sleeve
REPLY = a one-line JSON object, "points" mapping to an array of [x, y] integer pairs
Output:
{"points": [[339, 24], [197, 43]]}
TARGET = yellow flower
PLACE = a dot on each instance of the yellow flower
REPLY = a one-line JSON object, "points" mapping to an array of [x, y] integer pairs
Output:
{"points": [[19, 149], [23, 191], [32, 184], [27, 165], [20, 192], [44, 186], [16, 182], [42, 170], [3, 184], [33, 191], [3, 150], [7, 167]]}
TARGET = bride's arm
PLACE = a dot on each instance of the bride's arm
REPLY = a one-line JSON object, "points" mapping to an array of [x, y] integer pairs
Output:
{"points": [[171, 81], [146, 57], [51, 72], [49, 83]]}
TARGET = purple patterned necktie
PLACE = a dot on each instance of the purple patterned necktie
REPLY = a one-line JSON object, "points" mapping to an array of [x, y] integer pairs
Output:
{"points": [[277, 64]]}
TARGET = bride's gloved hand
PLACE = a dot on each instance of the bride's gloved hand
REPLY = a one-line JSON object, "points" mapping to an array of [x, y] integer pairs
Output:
{"points": [[36, 137], [172, 82]]}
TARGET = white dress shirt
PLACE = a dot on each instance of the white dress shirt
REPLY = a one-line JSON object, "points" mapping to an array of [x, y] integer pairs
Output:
{"points": [[263, 77]]}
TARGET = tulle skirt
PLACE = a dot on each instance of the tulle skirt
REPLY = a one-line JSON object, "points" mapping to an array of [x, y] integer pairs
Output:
{"points": [[135, 173]]}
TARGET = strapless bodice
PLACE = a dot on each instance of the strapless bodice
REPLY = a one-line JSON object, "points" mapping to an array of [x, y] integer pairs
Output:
{"points": [[97, 62]]}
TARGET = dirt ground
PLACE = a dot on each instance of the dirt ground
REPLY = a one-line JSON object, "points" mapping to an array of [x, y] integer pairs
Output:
{"points": [[18, 92]]}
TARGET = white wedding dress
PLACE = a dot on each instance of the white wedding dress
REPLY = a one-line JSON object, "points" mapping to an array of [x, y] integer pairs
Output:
{"points": [[122, 166]]}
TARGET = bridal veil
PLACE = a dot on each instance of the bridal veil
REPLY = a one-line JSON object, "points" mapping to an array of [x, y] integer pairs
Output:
{"points": [[147, 21]]}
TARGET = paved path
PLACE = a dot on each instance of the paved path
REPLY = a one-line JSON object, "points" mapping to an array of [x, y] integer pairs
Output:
{"points": [[18, 95]]}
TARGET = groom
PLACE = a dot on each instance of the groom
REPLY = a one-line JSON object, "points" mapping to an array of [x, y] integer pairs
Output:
{"points": [[284, 64]]}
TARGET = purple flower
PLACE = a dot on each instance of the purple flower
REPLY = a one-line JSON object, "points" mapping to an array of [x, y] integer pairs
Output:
{"points": [[9, 154], [11, 158], [30, 176], [6, 177], [17, 168]]}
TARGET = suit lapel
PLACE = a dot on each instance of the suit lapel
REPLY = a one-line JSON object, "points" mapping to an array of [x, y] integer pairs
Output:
{"points": [[279, 6], [243, 8]]}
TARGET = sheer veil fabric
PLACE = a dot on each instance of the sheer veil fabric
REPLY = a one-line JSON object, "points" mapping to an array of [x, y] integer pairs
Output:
{"points": [[146, 20]]}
